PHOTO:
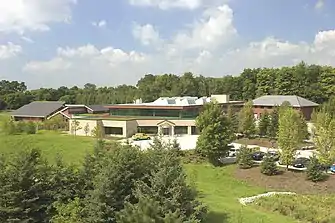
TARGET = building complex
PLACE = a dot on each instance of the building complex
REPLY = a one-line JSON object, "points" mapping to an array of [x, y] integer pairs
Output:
{"points": [[166, 115]]}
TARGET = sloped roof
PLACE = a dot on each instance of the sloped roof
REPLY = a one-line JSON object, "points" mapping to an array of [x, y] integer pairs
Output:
{"points": [[97, 108], [277, 100], [40, 109]]}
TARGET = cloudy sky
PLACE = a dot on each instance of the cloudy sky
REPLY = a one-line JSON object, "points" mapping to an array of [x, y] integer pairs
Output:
{"points": [[49, 43]]}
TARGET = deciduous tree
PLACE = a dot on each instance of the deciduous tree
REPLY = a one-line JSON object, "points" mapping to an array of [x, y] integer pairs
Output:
{"points": [[247, 120], [263, 124], [215, 133], [289, 135]]}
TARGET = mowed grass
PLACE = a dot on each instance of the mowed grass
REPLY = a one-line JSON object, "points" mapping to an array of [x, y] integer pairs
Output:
{"points": [[71, 148], [220, 191]]}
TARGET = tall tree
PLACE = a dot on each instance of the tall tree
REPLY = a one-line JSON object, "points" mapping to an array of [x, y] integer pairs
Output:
{"points": [[215, 133], [289, 135], [324, 136], [247, 120], [263, 124], [272, 130]]}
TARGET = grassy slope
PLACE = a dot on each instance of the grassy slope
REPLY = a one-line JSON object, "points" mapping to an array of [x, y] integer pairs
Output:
{"points": [[71, 148], [220, 191]]}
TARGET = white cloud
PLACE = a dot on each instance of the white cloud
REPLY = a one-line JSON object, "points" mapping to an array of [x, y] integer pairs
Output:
{"points": [[208, 48], [56, 64], [168, 4], [100, 24], [319, 4], [10, 50], [147, 34], [27, 39], [215, 28], [34, 15]]}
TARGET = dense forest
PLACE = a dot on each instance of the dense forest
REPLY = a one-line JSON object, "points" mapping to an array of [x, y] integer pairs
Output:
{"points": [[313, 82]]}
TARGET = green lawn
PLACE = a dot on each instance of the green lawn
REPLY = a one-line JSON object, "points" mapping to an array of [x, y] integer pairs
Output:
{"points": [[71, 148], [220, 191]]}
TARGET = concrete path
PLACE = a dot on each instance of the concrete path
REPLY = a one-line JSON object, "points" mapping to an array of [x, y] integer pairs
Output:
{"points": [[248, 200]]}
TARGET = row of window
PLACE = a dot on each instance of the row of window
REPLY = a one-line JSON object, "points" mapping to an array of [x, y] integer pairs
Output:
{"points": [[193, 113], [178, 130]]}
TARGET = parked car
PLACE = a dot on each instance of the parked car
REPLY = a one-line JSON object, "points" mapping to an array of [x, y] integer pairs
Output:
{"points": [[301, 162], [258, 156], [140, 136], [233, 152], [332, 168], [273, 154]]}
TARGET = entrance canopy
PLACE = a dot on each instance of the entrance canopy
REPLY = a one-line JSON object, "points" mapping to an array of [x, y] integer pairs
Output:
{"points": [[166, 124]]}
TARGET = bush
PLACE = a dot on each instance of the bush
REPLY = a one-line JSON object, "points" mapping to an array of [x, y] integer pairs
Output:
{"points": [[20, 127], [314, 170], [8, 127], [244, 158], [30, 128], [191, 156], [269, 166]]}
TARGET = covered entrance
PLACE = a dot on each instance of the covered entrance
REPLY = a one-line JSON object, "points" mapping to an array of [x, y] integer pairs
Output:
{"points": [[166, 128]]}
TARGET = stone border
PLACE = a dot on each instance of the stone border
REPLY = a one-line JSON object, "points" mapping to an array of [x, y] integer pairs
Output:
{"points": [[248, 200]]}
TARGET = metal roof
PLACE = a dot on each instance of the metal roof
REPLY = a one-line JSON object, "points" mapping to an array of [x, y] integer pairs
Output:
{"points": [[277, 100], [40, 109]]}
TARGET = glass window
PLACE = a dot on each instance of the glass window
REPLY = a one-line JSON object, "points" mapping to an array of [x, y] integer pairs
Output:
{"points": [[113, 130], [180, 130]]}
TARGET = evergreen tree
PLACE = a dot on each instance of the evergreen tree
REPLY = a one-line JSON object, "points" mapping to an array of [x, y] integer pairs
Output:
{"points": [[165, 196], [70, 212], [247, 120], [314, 171], [272, 130], [244, 157], [215, 133], [263, 124], [303, 128], [25, 194], [269, 166], [114, 184]]}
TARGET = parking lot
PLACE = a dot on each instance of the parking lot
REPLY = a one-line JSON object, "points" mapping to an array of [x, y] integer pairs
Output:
{"points": [[188, 142]]}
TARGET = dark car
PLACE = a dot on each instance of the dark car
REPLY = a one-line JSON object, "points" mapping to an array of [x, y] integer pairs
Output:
{"points": [[274, 155], [258, 156], [301, 162]]}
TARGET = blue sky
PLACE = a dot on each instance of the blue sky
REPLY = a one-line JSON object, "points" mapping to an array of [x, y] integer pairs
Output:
{"points": [[50, 43]]}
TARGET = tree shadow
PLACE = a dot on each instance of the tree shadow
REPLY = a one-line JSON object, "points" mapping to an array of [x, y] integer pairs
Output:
{"points": [[216, 217]]}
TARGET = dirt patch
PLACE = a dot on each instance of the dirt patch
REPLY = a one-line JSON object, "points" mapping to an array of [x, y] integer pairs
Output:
{"points": [[287, 181]]}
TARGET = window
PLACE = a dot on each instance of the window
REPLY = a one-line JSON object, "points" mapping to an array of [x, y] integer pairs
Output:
{"points": [[180, 130], [113, 130], [194, 130], [147, 129]]}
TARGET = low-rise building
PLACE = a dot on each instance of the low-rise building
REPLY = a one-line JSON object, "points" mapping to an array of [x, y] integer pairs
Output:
{"points": [[166, 116], [268, 102]]}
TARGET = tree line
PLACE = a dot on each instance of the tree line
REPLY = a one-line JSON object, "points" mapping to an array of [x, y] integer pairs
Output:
{"points": [[115, 183], [314, 82]]}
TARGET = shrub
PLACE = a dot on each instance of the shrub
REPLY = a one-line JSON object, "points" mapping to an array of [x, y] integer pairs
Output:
{"points": [[191, 156], [30, 128], [8, 127], [20, 127], [269, 166], [314, 170], [244, 158]]}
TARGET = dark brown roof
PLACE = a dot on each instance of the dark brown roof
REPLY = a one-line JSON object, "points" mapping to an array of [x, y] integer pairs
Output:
{"points": [[40, 109]]}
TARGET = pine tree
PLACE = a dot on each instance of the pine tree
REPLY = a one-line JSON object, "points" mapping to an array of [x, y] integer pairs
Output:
{"points": [[233, 118], [263, 124], [269, 166], [303, 128], [314, 172], [244, 157], [247, 120], [165, 196], [215, 133], [25, 195], [114, 184]]}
